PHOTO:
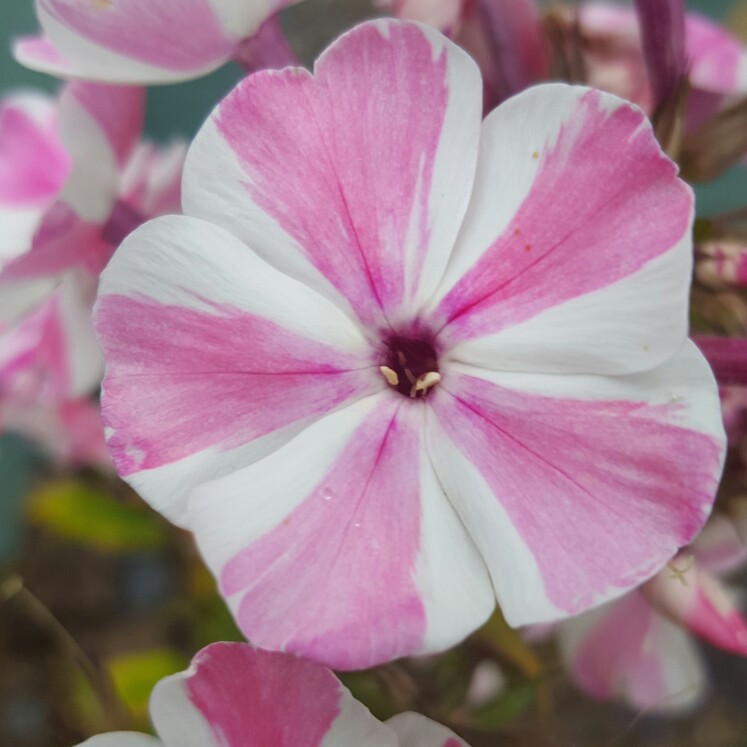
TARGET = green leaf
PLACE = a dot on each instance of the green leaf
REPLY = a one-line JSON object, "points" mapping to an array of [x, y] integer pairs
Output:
{"points": [[79, 513]]}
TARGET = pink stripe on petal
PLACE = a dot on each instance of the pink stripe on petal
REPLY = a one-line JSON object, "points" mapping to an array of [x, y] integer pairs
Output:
{"points": [[365, 167], [262, 699], [180, 381], [334, 577], [33, 162], [177, 35], [603, 203], [600, 491]]}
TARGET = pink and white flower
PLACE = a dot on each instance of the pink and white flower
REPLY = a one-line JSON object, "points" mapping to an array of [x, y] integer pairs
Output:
{"points": [[395, 362], [234, 695], [140, 41], [640, 648]]}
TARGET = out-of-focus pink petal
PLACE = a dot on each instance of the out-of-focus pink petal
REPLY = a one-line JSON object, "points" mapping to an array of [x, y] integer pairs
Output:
{"points": [[50, 349], [137, 40], [576, 252], [100, 126], [234, 695], [719, 549], [625, 650], [354, 560], [152, 180], [718, 60], [38, 53], [445, 15], [696, 600], [415, 730], [214, 358], [62, 241], [577, 488], [354, 180], [33, 162]]}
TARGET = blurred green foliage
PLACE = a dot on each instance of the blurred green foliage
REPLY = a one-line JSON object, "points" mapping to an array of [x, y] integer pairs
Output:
{"points": [[75, 511]]}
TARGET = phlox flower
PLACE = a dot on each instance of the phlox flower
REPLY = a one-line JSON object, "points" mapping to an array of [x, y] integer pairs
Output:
{"points": [[395, 362], [141, 41], [72, 182], [234, 695], [640, 648]]}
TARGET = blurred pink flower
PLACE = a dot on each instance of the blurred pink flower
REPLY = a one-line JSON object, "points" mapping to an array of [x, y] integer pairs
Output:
{"points": [[68, 170], [395, 361], [234, 695], [639, 648], [141, 41], [722, 263], [716, 60]]}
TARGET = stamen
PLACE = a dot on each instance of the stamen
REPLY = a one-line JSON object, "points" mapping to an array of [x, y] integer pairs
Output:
{"points": [[410, 376], [390, 375], [426, 381], [401, 358]]}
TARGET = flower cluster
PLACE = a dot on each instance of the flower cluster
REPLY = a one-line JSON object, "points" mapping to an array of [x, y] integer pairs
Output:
{"points": [[397, 339]]}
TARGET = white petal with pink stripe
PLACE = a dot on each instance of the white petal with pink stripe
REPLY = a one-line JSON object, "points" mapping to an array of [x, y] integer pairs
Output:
{"points": [[234, 695], [405, 575], [138, 41]]}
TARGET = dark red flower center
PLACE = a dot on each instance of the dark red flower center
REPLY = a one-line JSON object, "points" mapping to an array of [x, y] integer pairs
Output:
{"points": [[411, 366]]}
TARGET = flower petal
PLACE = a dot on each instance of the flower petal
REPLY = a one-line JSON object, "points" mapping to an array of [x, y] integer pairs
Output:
{"points": [[355, 180], [718, 548], [33, 161], [214, 358], [626, 650], [576, 251], [356, 557], [415, 730], [234, 695], [100, 126], [38, 53], [135, 41], [697, 600], [577, 488], [122, 739]]}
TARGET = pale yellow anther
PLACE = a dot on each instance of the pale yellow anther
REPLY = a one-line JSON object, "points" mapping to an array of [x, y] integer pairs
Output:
{"points": [[679, 573], [427, 380], [390, 375]]}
